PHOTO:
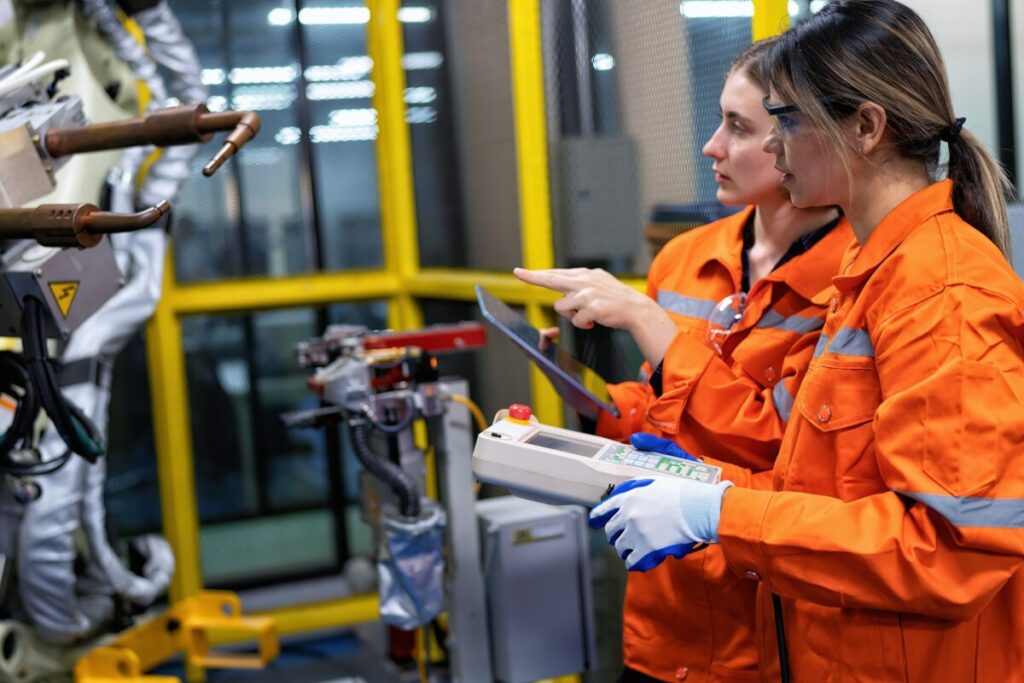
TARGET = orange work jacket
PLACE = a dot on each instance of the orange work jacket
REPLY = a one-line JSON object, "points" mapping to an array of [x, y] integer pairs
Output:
{"points": [[895, 528], [693, 618]]}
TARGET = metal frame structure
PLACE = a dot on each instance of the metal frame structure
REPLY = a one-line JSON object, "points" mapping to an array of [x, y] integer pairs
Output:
{"points": [[401, 281]]}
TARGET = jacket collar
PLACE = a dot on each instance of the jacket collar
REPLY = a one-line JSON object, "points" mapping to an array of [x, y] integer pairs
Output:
{"points": [[727, 248], [933, 200], [806, 274], [811, 271]]}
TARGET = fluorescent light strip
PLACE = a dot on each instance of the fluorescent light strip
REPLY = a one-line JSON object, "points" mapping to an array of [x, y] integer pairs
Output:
{"points": [[259, 75], [212, 76], [416, 61], [708, 9], [415, 15], [349, 90], [420, 95], [730, 9], [343, 16], [347, 69], [319, 134], [353, 117]]}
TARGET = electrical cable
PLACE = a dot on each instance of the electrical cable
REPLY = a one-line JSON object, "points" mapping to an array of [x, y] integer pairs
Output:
{"points": [[16, 382], [383, 469], [9, 84], [780, 638], [77, 430], [13, 376], [29, 64], [474, 409]]}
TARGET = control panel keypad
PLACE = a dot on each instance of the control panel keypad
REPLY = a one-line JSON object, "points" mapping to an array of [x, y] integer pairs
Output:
{"points": [[665, 464]]}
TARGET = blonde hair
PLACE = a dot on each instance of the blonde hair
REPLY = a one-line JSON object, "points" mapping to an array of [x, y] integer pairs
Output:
{"points": [[880, 51]]}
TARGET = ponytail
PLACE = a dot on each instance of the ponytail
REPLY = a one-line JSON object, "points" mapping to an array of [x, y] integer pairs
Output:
{"points": [[980, 189]]}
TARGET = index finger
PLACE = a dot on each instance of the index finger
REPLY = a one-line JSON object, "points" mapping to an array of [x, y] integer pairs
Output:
{"points": [[557, 279]]}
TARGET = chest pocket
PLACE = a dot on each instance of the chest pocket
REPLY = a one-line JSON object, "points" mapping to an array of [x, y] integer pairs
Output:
{"points": [[834, 453], [837, 396]]}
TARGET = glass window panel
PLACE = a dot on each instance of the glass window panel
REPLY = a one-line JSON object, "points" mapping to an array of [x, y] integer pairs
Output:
{"points": [[227, 471], [268, 549], [432, 135], [132, 490], [252, 220], [296, 464], [343, 129]]}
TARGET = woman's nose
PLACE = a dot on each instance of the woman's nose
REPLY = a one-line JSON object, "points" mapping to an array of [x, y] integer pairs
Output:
{"points": [[713, 147], [772, 143]]}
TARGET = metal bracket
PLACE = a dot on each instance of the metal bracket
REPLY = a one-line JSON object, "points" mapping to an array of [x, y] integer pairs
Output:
{"points": [[190, 626]]}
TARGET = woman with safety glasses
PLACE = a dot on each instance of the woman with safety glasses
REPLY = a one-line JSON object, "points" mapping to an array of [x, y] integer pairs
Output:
{"points": [[729, 325], [893, 535]]}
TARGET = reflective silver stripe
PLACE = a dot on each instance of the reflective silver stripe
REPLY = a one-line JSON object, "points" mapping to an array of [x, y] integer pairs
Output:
{"points": [[822, 344], [851, 342], [783, 400], [689, 306], [990, 513], [793, 323]]}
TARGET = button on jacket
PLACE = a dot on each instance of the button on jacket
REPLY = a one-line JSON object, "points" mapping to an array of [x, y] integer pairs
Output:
{"points": [[693, 613], [895, 530]]}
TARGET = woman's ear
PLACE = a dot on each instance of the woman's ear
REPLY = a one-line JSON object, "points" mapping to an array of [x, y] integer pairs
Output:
{"points": [[868, 127]]}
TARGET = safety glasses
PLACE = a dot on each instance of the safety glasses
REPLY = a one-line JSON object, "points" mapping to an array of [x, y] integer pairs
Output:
{"points": [[785, 117], [723, 319]]}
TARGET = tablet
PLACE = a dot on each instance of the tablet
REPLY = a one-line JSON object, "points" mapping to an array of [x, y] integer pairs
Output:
{"points": [[577, 384]]}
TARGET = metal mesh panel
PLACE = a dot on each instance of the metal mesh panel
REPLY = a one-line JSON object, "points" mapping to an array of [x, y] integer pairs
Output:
{"points": [[481, 83], [632, 96], [431, 117]]}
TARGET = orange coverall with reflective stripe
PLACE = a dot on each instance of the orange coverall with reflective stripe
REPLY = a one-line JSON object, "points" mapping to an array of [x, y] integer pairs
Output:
{"points": [[694, 615], [895, 528]]}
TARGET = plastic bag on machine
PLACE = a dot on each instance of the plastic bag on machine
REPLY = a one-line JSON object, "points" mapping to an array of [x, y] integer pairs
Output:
{"points": [[410, 570]]}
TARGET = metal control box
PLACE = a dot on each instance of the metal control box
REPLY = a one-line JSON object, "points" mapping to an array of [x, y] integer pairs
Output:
{"points": [[73, 283], [537, 573]]}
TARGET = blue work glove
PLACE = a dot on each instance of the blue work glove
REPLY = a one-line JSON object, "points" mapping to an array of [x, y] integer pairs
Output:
{"points": [[648, 520], [649, 442]]}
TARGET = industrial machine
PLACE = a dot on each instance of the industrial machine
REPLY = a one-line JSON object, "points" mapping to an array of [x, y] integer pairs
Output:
{"points": [[477, 561], [83, 278]]}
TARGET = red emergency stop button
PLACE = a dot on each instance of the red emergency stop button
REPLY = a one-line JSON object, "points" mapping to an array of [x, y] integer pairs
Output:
{"points": [[519, 412]]}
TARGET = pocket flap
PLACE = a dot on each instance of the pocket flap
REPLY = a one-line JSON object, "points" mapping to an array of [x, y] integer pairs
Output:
{"points": [[834, 397]]}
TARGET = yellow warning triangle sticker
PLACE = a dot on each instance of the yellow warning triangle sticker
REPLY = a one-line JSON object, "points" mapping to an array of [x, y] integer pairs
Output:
{"points": [[64, 294]]}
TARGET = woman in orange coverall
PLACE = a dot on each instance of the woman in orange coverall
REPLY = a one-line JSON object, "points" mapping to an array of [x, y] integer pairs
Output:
{"points": [[889, 546], [693, 618]]}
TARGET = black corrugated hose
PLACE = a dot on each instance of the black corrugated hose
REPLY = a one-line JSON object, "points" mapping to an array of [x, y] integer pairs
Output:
{"points": [[77, 430], [383, 469]]}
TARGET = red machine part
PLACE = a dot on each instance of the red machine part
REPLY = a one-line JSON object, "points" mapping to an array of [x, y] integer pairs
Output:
{"points": [[434, 339]]}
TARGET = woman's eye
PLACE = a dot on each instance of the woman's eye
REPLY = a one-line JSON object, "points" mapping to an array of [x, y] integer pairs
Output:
{"points": [[787, 123]]}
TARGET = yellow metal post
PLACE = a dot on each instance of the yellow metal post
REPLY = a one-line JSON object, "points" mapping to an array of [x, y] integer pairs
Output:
{"points": [[173, 435], [771, 17], [525, 46], [394, 158]]}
